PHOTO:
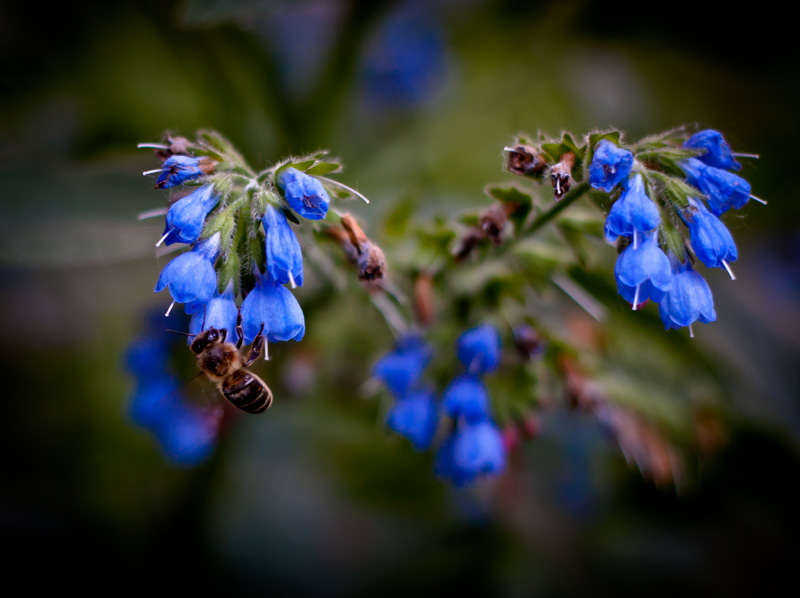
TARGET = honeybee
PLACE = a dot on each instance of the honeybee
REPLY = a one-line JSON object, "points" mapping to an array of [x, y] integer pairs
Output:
{"points": [[224, 365]]}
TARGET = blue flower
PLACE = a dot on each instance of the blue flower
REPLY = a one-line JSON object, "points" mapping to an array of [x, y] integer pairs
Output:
{"points": [[711, 240], [474, 449], [402, 369], [466, 397], [190, 276], [305, 194], [178, 169], [479, 349], [642, 271], [186, 216], [610, 165], [284, 256], [633, 211], [273, 305], [416, 417], [220, 313], [724, 190], [689, 299], [718, 153]]}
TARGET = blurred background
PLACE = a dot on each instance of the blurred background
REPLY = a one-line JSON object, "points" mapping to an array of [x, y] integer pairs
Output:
{"points": [[418, 99]]}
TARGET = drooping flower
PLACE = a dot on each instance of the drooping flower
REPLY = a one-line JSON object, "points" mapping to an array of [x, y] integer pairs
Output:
{"points": [[305, 194], [642, 270], [711, 240], [220, 313], [688, 300], [474, 449], [178, 169], [466, 397], [724, 190], [610, 165], [717, 151], [284, 256], [479, 349], [415, 416], [633, 211], [186, 216], [190, 277], [274, 306], [402, 369]]}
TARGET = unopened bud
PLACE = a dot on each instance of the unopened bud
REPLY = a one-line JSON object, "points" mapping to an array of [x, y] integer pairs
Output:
{"points": [[423, 299], [525, 160], [493, 220], [371, 262], [561, 175]]}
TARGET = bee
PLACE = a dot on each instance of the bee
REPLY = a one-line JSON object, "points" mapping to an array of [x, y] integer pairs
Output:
{"points": [[224, 365]]}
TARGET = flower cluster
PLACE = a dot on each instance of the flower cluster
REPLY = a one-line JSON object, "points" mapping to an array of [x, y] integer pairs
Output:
{"points": [[186, 433], [475, 447]]}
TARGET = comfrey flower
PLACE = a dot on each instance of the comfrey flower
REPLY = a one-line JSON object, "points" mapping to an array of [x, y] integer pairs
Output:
{"points": [[274, 306], [712, 242], [643, 271], [401, 370], [190, 277], [284, 256], [177, 169], [717, 151], [186, 216], [220, 313], [479, 349], [723, 189], [466, 397], [474, 449], [688, 300], [415, 416], [610, 165], [633, 211], [305, 194]]}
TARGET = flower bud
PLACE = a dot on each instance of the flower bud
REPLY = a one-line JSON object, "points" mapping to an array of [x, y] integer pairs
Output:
{"points": [[561, 175], [493, 220], [525, 161]]}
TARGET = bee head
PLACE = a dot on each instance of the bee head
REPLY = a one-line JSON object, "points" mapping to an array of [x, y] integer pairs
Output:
{"points": [[211, 336]]}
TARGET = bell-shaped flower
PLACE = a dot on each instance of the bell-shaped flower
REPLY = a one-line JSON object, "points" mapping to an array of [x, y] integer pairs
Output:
{"points": [[610, 165], [474, 449], [274, 306], [178, 169], [220, 313], [642, 271], [689, 299], [416, 417], [633, 211], [305, 194], [711, 240], [724, 190], [466, 397], [284, 256], [402, 369], [717, 151], [479, 349], [190, 277], [186, 216]]}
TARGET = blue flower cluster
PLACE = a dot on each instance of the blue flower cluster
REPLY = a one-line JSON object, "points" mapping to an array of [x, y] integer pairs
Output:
{"points": [[475, 446], [187, 434], [643, 270]]}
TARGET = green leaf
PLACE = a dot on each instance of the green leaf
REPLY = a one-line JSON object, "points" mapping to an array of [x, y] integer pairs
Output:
{"points": [[519, 203], [396, 223], [676, 190], [323, 168], [556, 150]]}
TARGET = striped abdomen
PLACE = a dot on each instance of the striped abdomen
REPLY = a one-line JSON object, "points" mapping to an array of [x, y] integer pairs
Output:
{"points": [[247, 391]]}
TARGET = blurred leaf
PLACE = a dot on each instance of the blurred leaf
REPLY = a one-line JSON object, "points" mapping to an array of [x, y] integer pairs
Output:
{"points": [[322, 168], [517, 202]]}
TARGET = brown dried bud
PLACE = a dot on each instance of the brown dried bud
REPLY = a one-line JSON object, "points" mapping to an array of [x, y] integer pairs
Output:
{"points": [[423, 299], [524, 160], [371, 261], [342, 237], [175, 145], [561, 175], [468, 242], [357, 236], [527, 342], [493, 220], [207, 165]]}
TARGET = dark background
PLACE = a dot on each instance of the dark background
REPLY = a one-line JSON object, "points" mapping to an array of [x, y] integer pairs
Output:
{"points": [[315, 498]]}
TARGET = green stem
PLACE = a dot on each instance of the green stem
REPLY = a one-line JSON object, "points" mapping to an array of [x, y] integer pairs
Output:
{"points": [[570, 198]]}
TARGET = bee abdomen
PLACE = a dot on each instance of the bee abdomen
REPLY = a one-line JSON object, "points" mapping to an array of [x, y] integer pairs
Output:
{"points": [[247, 392]]}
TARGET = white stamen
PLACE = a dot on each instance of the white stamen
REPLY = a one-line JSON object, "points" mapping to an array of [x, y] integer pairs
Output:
{"points": [[728, 268], [161, 240], [558, 186], [147, 172], [737, 155], [758, 199], [291, 281], [691, 332], [343, 186], [266, 349], [171, 305], [635, 239], [509, 149], [153, 145], [152, 213], [636, 297]]}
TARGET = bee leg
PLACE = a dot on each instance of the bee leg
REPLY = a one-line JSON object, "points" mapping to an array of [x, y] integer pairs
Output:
{"points": [[256, 347], [239, 330]]}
